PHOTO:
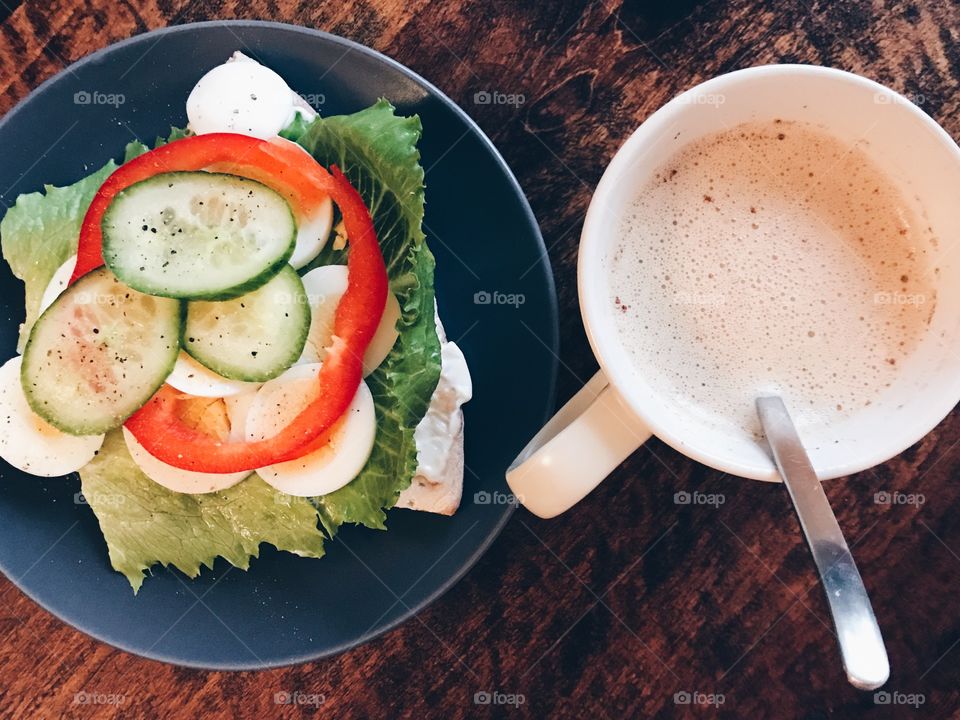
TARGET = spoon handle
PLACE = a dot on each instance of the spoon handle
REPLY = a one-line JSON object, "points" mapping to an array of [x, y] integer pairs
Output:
{"points": [[861, 645]]}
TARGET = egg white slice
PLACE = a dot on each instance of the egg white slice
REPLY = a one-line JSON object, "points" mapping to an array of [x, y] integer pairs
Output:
{"points": [[28, 442], [313, 230], [58, 283], [325, 286], [238, 408], [190, 377], [332, 466], [177, 479], [312, 234], [240, 97]]}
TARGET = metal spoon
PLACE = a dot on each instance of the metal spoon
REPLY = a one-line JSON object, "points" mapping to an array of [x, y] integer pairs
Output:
{"points": [[861, 645]]}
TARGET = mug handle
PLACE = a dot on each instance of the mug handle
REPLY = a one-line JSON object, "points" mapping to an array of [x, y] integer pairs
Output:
{"points": [[588, 437]]}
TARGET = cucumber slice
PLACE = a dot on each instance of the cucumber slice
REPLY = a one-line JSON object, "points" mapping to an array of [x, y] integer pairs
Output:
{"points": [[197, 235], [98, 353], [254, 337]]}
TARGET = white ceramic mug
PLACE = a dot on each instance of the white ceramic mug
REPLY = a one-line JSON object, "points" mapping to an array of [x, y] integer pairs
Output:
{"points": [[619, 409]]}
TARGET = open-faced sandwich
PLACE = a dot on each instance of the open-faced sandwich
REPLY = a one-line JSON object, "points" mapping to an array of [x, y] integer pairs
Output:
{"points": [[233, 335]]}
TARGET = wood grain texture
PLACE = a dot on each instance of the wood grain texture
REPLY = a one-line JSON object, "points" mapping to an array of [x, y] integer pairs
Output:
{"points": [[609, 611]]}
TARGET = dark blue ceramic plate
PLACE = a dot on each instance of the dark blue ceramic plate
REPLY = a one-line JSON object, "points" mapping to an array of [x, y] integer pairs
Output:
{"points": [[288, 609]]}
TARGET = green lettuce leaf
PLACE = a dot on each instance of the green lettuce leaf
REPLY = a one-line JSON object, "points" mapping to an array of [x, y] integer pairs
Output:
{"points": [[40, 232], [145, 524], [377, 150]]}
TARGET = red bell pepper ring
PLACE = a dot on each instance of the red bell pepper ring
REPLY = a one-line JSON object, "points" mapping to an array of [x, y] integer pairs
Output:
{"points": [[157, 425]]}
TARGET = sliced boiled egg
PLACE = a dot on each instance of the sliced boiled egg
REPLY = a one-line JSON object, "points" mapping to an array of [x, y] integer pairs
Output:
{"points": [[238, 408], [242, 97], [178, 479], [325, 286], [190, 377], [312, 234], [313, 229], [332, 466], [27, 442], [58, 283]]}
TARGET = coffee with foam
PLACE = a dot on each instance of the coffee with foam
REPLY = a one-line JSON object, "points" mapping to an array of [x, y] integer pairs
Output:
{"points": [[771, 258]]}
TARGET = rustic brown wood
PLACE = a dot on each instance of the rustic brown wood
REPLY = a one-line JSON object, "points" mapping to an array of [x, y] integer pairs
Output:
{"points": [[610, 610]]}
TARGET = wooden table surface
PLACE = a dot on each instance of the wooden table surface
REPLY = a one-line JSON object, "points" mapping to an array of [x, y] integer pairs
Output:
{"points": [[612, 610]]}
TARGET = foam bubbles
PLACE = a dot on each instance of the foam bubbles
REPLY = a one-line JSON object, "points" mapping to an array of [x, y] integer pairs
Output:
{"points": [[771, 258]]}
